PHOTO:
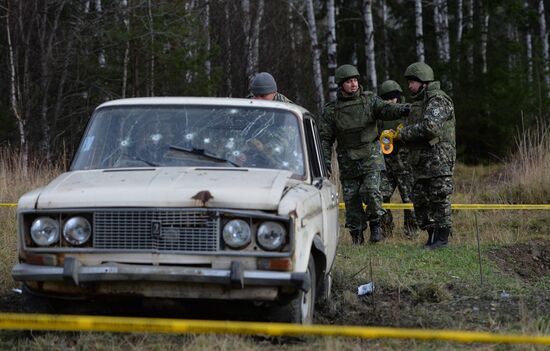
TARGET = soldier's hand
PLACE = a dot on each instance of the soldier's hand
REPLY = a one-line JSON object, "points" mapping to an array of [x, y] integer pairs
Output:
{"points": [[406, 110]]}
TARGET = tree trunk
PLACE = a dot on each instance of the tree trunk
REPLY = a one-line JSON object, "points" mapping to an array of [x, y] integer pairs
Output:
{"points": [[126, 62], [152, 48], [419, 31], [484, 39], [331, 49], [529, 46], [544, 41], [369, 45], [316, 56], [470, 28], [15, 97], [252, 36], [387, 51], [206, 28], [459, 23], [228, 54]]}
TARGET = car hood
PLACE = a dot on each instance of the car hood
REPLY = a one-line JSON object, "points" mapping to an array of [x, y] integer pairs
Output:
{"points": [[166, 187]]}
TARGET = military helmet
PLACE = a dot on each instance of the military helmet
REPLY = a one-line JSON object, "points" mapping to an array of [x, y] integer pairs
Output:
{"points": [[389, 86], [420, 71], [345, 72]]}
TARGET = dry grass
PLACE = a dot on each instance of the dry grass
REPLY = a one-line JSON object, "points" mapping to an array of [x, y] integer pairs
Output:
{"points": [[526, 174]]}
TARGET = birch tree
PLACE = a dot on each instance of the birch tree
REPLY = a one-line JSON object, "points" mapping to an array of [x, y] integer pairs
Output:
{"points": [[331, 49], [528, 44], [470, 29], [252, 35], [126, 59], [544, 42], [441, 21], [484, 39], [419, 31], [385, 15], [369, 45], [15, 90], [316, 56], [206, 29]]}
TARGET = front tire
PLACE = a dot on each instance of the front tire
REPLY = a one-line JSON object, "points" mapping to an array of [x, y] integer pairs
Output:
{"points": [[299, 309]]}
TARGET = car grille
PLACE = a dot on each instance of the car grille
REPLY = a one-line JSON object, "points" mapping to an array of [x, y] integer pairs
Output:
{"points": [[160, 230]]}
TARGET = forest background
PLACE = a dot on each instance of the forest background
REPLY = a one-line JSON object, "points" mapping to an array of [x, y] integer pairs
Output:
{"points": [[59, 59]]}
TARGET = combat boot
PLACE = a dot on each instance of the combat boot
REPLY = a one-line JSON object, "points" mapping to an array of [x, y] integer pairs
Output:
{"points": [[357, 237], [375, 232], [441, 238], [386, 224], [431, 237], [411, 228]]}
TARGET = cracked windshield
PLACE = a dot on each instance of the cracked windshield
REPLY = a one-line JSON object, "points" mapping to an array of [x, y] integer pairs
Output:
{"points": [[191, 136]]}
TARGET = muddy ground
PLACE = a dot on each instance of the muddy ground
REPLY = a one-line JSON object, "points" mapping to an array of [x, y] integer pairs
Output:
{"points": [[439, 306]]}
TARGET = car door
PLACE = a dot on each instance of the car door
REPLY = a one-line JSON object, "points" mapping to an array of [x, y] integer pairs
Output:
{"points": [[328, 190]]}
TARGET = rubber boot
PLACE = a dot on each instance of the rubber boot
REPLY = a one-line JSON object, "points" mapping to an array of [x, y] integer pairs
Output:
{"points": [[357, 237], [431, 237], [441, 238], [375, 232]]}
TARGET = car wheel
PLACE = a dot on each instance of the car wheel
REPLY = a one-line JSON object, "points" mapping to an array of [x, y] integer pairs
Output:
{"points": [[325, 290], [299, 309]]}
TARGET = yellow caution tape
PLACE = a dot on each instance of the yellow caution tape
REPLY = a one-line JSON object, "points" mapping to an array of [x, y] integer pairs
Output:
{"points": [[163, 325], [394, 206], [8, 205]]}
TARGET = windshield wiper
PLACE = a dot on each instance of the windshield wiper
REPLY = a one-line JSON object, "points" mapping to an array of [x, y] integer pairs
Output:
{"points": [[201, 152]]}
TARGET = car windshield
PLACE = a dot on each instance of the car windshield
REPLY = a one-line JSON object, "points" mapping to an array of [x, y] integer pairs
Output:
{"points": [[191, 136]]}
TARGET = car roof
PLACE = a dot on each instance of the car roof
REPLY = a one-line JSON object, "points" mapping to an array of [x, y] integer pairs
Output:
{"points": [[207, 101]]}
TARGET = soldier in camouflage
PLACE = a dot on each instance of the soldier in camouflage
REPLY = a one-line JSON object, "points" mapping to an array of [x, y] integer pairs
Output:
{"points": [[351, 121], [264, 87], [430, 135], [398, 172]]}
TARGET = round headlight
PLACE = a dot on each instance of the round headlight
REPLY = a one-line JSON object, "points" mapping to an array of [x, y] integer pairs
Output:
{"points": [[236, 233], [271, 235], [45, 231], [77, 230]]}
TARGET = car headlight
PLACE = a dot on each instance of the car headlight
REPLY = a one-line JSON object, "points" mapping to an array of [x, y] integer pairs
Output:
{"points": [[236, 233], [45, 231], [77, 230], [271, 235]]}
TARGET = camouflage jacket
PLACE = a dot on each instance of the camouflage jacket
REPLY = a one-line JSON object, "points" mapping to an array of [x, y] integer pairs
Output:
{"points": [[430, 133], [351, 121], [280, 97]]}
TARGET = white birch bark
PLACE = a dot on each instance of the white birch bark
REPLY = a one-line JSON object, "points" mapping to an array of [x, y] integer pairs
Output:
{"points": [[206, 29], [369, 45], [152, 48], [484, 39], [15, 100], [441, 21], [419, 31], [529, 46], [228, 55], [459, 23], [385, 15], [126, 20], [254, 49], [544, 42], [470, 28], [316, 56], [331, 49]]}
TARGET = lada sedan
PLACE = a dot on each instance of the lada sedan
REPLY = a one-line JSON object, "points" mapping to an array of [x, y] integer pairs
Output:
{"points": [[187, 198]]}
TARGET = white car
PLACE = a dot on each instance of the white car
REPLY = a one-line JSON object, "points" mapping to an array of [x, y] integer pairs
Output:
{"points": [[187, 198]]}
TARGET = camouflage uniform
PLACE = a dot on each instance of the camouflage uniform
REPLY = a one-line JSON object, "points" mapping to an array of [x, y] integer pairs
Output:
{"points": [[281, 98], [350, 120], [430, 135], [398, 174]]}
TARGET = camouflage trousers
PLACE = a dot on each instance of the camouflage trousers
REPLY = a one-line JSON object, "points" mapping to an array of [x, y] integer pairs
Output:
{"points": [[432, 202], [363, 189], [397, 176]]}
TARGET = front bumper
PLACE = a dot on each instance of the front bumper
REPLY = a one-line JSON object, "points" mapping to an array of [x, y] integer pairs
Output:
{"points": [[74, 273]]}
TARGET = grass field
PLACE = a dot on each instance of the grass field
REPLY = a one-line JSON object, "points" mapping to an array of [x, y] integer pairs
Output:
{"points": [[504, 289]]}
